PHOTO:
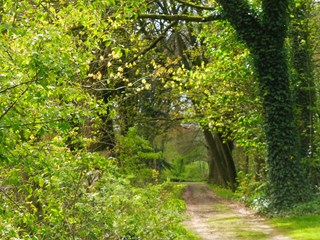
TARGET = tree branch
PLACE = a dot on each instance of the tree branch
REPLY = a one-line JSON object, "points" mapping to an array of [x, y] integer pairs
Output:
{"points": [[183, 17], [243, 19], [17, 85], [14, 103], [2, 190], [154, 43], [35, 123], [196, 6]]}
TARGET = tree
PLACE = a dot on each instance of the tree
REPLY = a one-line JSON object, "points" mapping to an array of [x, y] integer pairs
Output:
{"points": [[303, 82], [312, 48], [265, 36]]}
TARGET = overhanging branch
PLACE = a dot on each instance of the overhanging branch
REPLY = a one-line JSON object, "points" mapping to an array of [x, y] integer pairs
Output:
{"points": [[17, 85], [183, 17], [155, 42], [245, 20], [14, 103], [196, 5]]}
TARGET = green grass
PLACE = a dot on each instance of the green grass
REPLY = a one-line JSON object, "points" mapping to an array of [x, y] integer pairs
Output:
{"points": [[223, 192], [234, 220], [251, 235], [299, 227], [235, 227], [302, 226]]}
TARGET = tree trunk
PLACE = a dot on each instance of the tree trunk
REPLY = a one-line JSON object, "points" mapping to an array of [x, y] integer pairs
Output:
{"points": [[222, 169], [287, 176], [265, 37], [226, 152]]}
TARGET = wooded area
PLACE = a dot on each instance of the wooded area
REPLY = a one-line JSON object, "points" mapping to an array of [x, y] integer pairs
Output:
{"points": [[104, 103]]}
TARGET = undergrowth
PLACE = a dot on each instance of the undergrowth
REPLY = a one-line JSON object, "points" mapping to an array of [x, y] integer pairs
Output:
{"points": [[55, 194]]}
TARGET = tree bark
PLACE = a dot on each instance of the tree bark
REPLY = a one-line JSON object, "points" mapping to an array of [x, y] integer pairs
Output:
{"points": [[215, 164], [225, 149], [222, 169]]}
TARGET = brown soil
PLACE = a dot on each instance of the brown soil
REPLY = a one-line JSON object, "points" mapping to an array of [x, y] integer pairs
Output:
{"points": [[212, 217]]}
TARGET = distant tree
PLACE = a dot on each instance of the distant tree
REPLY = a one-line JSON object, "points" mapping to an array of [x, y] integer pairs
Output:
{"points": [[303, 74]]}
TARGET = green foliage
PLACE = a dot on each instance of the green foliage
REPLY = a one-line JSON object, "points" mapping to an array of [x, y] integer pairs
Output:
{"points": [[48, 192], [55, 54], [224, 192], [187, 155], [265, 37], [195, 171], [223, 90], [311, 207], [138, 158], [253, 193], [186, 172], [51, 185]]}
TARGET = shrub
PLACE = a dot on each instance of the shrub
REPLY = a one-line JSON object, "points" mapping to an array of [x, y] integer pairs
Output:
{"points": [[48, 192]]}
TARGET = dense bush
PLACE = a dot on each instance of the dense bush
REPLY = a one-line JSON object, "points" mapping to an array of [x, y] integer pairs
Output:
{"points": [[137, 158], [47, 192]]}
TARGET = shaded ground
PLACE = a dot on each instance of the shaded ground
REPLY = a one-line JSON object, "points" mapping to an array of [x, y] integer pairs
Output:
{"points": [[211, 217]]}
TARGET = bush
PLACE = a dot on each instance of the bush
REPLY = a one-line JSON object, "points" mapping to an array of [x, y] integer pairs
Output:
{"points": [[47, 192], [253, 193], [137, 158]]}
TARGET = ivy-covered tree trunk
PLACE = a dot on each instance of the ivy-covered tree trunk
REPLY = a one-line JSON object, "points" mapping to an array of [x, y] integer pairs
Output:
{"points": [[265, 36], [287, 176]]}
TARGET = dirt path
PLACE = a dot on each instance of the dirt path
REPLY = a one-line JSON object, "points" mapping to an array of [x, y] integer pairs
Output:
{"points": [[211, 217]]}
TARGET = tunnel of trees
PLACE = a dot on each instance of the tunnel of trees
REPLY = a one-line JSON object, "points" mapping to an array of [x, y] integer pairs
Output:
{"points": [[103, 101]]}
